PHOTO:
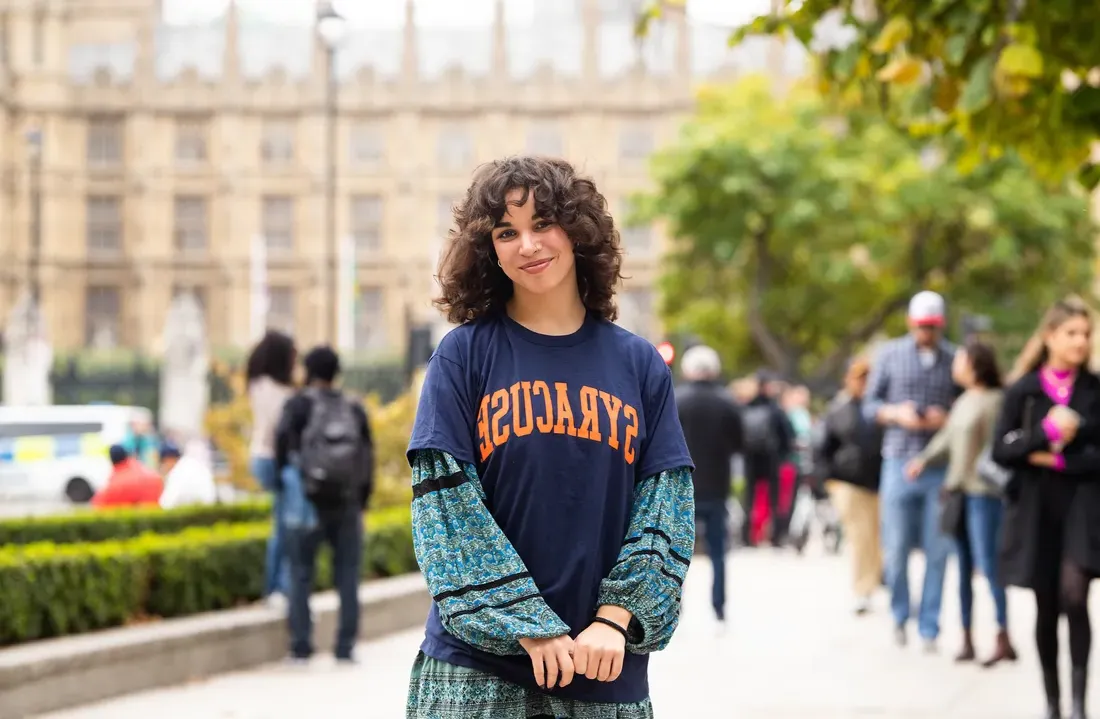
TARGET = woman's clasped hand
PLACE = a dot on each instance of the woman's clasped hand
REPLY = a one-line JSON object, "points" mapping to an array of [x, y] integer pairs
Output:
{"points": [[597, 654], [551, 660]]}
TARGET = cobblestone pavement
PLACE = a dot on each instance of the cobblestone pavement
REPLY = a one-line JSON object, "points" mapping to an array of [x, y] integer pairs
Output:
{"points": [[792, 650]]}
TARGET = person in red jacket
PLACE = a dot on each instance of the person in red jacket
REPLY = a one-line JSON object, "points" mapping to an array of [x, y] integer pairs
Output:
{"points": [[131, 483]]}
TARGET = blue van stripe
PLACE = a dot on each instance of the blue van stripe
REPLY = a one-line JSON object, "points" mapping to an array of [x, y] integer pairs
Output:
{"points": [[67, 446]]}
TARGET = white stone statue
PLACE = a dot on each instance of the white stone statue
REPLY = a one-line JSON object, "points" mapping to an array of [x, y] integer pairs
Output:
{"points": [[184, 389], [28, 356]]}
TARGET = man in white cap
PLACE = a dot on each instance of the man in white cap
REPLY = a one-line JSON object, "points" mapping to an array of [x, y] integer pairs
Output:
{"points": [[910, 392]]}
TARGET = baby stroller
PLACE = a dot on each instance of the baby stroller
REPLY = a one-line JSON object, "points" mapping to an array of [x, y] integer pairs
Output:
{"points": [[811, 510]]}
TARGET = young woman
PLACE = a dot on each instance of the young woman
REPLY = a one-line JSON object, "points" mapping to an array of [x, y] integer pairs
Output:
{"points": [[270, 372], [851, 459], [553, 512], [1049, 434], [960, 442]]}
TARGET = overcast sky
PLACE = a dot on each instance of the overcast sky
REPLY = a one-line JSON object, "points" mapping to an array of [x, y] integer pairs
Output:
{"points": [[438, 13]]}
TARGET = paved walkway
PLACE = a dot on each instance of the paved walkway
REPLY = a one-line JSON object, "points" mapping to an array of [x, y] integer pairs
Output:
{"points": [[793, 650]]}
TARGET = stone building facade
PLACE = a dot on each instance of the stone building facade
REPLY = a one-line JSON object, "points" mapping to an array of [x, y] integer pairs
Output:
{"points": [[171, 153]]}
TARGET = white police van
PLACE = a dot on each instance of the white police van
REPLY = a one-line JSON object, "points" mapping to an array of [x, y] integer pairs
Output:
{"points": [[59, 453]]}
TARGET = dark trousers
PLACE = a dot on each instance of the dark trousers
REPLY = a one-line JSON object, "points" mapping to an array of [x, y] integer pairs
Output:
{"points": [[714, 516], [763, 469], [343, 531]]}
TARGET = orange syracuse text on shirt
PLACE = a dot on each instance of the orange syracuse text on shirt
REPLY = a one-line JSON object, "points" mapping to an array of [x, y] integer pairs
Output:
{"points": [[528, 407]]}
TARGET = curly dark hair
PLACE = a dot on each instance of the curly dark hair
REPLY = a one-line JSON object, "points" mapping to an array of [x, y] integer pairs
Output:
{"points": [[474, 286], [273, 357]]}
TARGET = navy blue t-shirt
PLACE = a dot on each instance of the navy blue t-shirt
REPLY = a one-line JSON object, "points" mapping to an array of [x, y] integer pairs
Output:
{"points": [[560, 429]]}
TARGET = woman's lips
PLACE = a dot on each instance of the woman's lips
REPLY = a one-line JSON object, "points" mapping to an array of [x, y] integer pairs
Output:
{"points": [[537, 267]]}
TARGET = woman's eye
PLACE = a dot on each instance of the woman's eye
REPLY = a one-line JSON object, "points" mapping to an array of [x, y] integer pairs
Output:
{"points": [[506, 235], [545, 224]]}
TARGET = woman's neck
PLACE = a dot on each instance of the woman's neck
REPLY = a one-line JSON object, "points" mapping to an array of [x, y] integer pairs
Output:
{"points": [[557, 313], [1059, 369]]}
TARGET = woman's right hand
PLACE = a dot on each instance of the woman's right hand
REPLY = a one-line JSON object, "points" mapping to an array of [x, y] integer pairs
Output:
{"points": [[913, 469], [551, 660], [1066, 420]]}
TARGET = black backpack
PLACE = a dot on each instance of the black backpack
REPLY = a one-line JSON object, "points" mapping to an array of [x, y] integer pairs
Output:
{"points": [[332, 452], [759, 430]]}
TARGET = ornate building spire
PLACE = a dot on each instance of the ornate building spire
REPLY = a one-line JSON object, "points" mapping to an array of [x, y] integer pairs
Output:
{"points": [[231, 55], [410, 61], [500, 68]]}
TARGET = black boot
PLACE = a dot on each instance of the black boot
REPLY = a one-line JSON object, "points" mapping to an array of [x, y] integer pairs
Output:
{"points": [[1054, 694], [1079, 679]]}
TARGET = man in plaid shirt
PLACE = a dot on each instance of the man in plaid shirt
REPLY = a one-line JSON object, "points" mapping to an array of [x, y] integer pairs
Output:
{"points": [[910, 392]]}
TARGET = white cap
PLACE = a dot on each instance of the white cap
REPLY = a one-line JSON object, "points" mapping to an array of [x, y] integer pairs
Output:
{"points": [[926, 309]]}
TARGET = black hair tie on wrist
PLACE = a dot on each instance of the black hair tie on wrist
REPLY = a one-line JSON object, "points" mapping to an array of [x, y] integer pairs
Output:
{"points": [[614, 625]]}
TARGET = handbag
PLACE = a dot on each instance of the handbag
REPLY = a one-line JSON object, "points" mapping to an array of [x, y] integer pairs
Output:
{"points": [[996, 477], [951, 513]]}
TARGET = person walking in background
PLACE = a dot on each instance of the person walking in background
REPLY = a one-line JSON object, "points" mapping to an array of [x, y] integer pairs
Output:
{"points": [[269, 372], [961, 442], [131, 483], [712, 428], [325, 458], [851, 455], [553, 514], [767, 439], [910, 391], [1049, 436]]}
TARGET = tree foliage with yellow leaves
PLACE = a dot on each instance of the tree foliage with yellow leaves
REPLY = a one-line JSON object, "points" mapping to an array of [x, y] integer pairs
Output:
{"points": [[799, 233], [1019, 74]]}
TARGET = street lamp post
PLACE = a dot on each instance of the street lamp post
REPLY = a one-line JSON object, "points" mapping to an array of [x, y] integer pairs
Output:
{"points": [[34, 156], [331, 27]]}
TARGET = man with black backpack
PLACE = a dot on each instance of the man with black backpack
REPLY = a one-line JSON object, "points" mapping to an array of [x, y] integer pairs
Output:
{"points": [[325, 458], [767, 438]]}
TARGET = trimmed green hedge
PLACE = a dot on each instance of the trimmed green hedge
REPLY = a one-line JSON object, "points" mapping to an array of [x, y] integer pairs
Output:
{"points": [[49, 590], [125, 523]]}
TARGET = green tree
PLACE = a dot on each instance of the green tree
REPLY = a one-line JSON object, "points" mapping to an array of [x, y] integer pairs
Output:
{"points": [[798, 234], [1021, 74]]}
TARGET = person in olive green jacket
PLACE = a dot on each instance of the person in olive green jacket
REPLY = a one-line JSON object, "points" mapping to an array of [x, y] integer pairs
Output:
{"points": [[968, 431]]}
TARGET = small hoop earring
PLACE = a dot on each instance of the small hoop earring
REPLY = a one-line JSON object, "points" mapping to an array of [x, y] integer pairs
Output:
{"points": [[500, 265]]}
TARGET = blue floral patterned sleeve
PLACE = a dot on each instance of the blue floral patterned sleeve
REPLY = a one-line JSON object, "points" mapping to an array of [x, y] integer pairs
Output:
{"points": [[486, 596], [648, 578]]}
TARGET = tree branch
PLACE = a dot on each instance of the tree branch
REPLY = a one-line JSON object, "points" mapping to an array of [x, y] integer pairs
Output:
{"points": [[770, 345], [832, 363]]}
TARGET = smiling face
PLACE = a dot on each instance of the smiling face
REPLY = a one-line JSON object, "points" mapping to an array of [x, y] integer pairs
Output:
{"points": [[534, 252]]}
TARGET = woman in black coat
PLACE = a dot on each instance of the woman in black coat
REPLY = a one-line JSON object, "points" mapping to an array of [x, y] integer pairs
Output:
{"points": [[1050, 541]]}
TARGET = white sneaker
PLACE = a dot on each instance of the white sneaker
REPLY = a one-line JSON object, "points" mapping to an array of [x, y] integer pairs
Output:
{"points": [[277, 601], [862, 606]]}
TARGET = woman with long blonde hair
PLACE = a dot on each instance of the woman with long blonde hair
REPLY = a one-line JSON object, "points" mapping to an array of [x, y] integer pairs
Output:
{"points": [[1048, 434]]}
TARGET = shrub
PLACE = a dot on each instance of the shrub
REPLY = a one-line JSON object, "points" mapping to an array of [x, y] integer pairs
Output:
{"points": [[124, 523], [49, 590]]}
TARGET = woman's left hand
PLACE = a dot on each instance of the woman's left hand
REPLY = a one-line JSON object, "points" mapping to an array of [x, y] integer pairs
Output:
{"points": [[598, 652], [1041, 459]]}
